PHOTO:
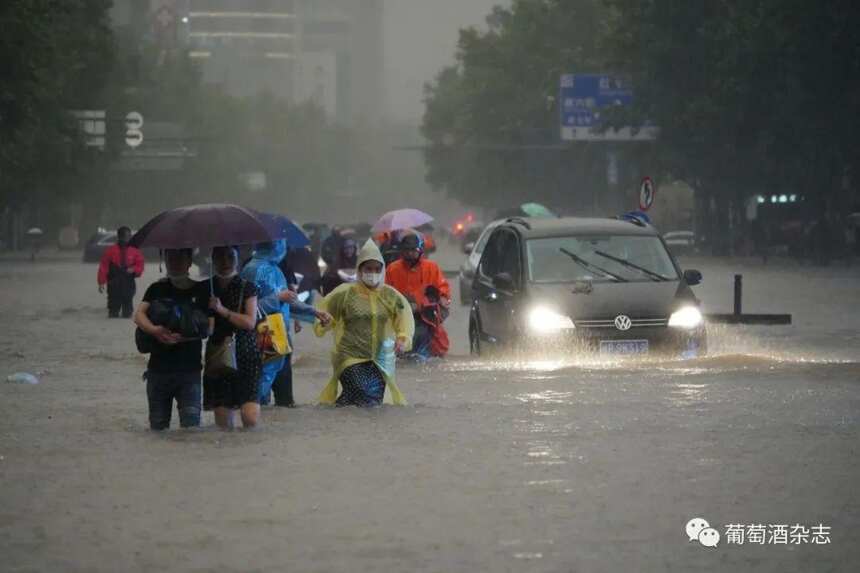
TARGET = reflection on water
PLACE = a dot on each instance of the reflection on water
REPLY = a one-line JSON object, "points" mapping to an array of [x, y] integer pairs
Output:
{"points": [[714, 363], [686, 394]]}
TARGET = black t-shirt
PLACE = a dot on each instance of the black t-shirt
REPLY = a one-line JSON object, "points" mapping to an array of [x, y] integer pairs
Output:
{"points": [[185, 356]]}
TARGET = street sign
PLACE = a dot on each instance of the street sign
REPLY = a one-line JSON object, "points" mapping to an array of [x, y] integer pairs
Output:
{"points": [[646, 194], [93, 124], [133, 125], [582, 99]]}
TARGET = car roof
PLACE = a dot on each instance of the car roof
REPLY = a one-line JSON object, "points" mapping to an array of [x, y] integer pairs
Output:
{"points": [[536, 228]]}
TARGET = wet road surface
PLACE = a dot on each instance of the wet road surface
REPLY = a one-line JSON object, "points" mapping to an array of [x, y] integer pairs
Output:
{"points": [[551, 463]]}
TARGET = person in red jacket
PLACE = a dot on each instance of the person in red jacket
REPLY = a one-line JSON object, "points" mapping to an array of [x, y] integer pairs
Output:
{"points": [[423, 284], [121, 264]]}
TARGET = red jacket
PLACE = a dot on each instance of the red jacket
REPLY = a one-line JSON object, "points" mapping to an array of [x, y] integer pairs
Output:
{"points": [[113, 254]]}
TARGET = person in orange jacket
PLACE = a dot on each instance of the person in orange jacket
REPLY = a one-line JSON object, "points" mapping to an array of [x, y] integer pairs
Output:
{"points": [[421, 281], [120, 265]]}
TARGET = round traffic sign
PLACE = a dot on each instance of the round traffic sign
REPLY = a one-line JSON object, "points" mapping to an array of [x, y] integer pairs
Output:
{"points": [[646, 194]]}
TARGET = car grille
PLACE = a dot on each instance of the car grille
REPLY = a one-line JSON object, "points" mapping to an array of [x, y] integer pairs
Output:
{"points": [[610, 323]]}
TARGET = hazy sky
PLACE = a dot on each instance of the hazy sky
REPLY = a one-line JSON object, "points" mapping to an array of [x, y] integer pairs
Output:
{"points": [[420, 38]]}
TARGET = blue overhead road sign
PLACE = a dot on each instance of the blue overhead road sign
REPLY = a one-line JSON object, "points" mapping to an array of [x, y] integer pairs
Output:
{"points": [[582, 97]]}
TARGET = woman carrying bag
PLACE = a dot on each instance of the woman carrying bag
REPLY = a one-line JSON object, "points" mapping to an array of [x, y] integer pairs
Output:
{"points": [[231, 377]]}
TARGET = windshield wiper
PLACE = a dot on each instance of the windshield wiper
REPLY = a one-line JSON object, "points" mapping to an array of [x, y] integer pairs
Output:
{"points": [[654, 276], [591, 266]]}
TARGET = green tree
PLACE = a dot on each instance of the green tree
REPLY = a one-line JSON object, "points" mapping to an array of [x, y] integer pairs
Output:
{"points": [[491, 119], [56, 56], [751, 95]]}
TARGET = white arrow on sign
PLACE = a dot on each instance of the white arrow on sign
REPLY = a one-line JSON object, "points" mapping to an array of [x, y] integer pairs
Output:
{"points": [[133, 125]]}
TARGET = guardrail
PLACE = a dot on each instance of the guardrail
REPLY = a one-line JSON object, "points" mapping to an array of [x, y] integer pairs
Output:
{"points": [[738, 316]]}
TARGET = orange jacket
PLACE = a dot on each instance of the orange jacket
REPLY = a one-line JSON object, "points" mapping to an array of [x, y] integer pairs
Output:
{"points": [[412, 281]]}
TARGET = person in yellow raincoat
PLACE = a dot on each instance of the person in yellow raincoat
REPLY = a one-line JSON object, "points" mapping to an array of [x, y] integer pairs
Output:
{"points": [[372, 322]]}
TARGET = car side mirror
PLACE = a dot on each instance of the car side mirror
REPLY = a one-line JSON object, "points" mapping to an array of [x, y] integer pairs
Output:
{"points": [[692, 277], [504, 281], [468, 248]]}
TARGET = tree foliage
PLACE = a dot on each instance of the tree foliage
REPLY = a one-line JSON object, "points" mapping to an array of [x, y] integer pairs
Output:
{"points": [[491, 119], [56, 56], [751, 96]]}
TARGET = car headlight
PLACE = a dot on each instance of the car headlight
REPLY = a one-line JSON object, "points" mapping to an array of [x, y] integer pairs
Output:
{"points": [[543, 319], [687, 317]]}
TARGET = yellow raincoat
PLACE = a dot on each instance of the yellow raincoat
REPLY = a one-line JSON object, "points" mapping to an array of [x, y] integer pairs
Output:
{"points": [[364, 318]]}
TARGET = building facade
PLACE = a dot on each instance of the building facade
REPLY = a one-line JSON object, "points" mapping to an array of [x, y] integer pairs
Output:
{"points": [[328, 51]]}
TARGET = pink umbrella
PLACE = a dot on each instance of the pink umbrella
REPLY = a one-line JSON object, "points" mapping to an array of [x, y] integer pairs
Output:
{"points": [[401, 219]]}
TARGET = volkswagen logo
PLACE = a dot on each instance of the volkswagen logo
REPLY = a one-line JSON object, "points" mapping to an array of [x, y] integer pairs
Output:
{"points": [[623, 322]]}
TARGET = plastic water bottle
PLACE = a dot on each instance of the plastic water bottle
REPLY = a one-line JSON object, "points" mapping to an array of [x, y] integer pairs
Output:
{"points": [[386, 358], [22, 378]]}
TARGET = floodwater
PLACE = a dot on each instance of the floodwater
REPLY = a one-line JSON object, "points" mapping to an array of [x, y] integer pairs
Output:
{"points": [[545, 463]]}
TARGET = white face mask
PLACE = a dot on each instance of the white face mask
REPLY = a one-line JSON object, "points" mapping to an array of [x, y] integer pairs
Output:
{"points": [[371, 280]]}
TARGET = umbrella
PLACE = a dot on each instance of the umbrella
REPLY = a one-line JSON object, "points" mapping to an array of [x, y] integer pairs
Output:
{"points": [[401, 219], [284, 228], [537, 210], [208, 225]]}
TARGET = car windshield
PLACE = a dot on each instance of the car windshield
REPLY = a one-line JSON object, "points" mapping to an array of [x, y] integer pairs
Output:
{"points": [[607, 258]]}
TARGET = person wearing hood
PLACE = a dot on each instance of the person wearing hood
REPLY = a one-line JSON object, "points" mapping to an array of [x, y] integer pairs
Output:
{"points": [[424, 285], [173, 370], [274, 295], [371, 323], [120, 265]]}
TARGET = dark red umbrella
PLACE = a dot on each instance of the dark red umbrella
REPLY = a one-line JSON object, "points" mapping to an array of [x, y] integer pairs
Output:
{"points": [[209, 225]]}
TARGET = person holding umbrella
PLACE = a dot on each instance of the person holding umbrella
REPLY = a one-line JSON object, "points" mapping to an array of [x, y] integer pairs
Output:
{"points": [[234, 303], [210, 225], [173, 371]]}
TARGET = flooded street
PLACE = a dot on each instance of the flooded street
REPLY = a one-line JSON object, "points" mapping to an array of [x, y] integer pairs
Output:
{"points": [[550, 463]]}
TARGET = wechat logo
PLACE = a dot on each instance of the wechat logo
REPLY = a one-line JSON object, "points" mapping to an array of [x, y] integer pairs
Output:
{"points": [[700, 530]]}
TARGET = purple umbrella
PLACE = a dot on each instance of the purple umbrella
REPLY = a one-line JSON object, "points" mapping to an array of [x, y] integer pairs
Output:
{"points": [[401, 219], [208, 225]]}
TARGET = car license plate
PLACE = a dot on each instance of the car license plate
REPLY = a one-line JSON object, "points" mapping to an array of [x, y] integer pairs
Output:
{"points": [[623, 346]]}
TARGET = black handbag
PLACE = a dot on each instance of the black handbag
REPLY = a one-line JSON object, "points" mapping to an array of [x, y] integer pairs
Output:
{"points": [[179, 317]]}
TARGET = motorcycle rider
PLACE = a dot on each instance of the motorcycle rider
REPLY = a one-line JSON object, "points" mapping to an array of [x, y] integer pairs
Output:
{"points": [[423, 284]]}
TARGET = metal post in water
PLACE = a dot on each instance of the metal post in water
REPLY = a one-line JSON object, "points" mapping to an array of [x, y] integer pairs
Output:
{"points": [[739, 293]]}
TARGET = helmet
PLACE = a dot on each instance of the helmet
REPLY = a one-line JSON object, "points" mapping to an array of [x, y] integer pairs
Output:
{"points": [[412, 241]]}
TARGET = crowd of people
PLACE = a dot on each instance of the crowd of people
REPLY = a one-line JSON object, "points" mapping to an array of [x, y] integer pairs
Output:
{"points": [[379, 312]]}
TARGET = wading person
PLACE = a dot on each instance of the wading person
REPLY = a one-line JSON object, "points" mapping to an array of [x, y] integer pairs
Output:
{"points": [[371, 322], [173, 371], [234, 303], [275, 296], [424, 285], [120, 265]]}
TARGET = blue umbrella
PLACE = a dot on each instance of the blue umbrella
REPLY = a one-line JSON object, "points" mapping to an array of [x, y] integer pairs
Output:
{"points": [[283, 228]]}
